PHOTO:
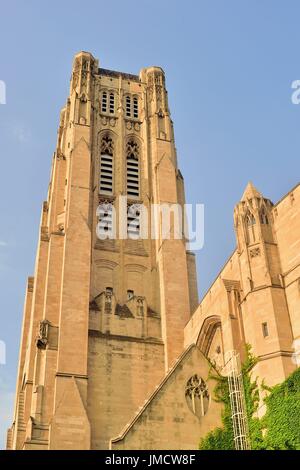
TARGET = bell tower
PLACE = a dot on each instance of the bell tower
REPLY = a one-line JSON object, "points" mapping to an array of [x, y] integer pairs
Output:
{"points": [[105, 311]]}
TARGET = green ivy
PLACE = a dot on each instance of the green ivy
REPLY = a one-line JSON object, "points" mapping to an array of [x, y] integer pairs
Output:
{"points": [[222, 438], [280, 422]]}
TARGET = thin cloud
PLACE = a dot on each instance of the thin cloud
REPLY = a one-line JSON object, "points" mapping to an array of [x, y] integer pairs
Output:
{"points": [[3, 243], [21, 133]]}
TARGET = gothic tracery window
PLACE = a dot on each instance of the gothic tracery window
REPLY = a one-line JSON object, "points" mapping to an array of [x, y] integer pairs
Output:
{"points": [[197, 395], [250, 219], [250, 223], [263, 216], [106, 166], [132, 168]]}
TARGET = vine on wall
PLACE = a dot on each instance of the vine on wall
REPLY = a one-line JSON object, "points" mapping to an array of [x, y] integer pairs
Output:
{"points": [[222, 438], [278, 403]]}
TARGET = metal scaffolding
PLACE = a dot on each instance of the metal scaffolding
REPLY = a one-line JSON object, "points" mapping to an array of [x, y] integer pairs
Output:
{"points": [[237, 401]]}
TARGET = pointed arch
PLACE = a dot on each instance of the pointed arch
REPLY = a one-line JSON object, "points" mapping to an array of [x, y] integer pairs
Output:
{"points": [[106, 164], [250, 223], [263, 216], [210, 340], [132, 151]]}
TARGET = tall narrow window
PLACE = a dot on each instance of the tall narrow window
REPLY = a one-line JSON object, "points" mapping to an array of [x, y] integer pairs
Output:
{"points": [[250, 219], [106, 166], [104, 102], [135, 107], [128, 106], [111, 103], [263, 216], [132, 172], [250, 222], [265, 329]]}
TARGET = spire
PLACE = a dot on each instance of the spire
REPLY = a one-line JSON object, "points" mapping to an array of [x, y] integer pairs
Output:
{"points": [[250, 192]]}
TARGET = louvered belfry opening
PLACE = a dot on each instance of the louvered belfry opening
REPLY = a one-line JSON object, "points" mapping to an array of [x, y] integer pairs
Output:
{"points": [[106, 166], [132, 153]]}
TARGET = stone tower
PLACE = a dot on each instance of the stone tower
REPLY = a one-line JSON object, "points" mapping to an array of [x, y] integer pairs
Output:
{"points": [[266, 319], [103, 317]]}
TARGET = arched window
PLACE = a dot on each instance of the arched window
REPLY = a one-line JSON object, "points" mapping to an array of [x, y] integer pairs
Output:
{"points": [[263, 216], [197, 395], [132, 169], [250, 219], [104, 102], [250, 222], [128, 106], [106, 166], [111, 103], [135, 107]]}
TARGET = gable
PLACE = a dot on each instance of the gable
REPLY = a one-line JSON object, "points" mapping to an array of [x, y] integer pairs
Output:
{"points": [[166, 421]]}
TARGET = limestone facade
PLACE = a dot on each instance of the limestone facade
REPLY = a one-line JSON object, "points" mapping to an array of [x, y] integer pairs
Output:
{"points": [[111, 354]]}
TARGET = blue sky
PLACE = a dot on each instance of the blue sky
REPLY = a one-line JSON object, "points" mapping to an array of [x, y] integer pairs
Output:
{"points": [[229, 67]]}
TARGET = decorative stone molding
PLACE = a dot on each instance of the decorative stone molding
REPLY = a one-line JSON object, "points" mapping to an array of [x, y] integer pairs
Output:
{"points": [[132, 149], [140, 306], [131, 125], [197, 395], [107, 145], [108, 302], [30, 284], [254, 252], [42, 339]]}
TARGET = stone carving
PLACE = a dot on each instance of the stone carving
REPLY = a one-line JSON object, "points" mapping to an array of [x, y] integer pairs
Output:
{"points": [[150, 87], [133, 126], [132, 149], [60, 155], [84, 72], [42, 339], [140, 306], [197, 395], [107, 145], [254, 252], [108, 302], [76, 74]]}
